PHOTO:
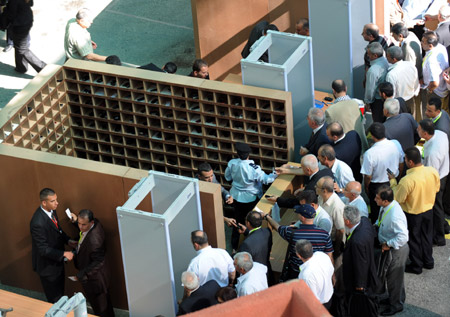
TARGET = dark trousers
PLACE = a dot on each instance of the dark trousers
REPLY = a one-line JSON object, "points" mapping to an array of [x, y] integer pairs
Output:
{"points": [[377, 110], [374, 208], [395, 277], [446, 198], [438, 215], [9, 40], [100, 302], [53, 287], [23, 55], [420, 242], [240, 212]]}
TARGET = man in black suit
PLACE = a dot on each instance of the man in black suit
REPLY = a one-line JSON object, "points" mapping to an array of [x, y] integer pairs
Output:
{"points": [[258, 241], [255, 34], [197, 297], [47, 240], [310, 168], [360, 273], [316, 121], [347, 147], [91, 263]]}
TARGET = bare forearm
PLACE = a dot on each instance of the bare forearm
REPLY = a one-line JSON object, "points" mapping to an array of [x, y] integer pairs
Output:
{"points": [[95, 57]]}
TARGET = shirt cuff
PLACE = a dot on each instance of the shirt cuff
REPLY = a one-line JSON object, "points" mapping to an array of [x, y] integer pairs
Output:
{"points": [[393, 182]]}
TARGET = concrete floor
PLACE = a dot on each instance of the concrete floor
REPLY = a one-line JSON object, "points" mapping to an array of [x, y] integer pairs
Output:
{"points": [[158, 31], [138, 31]]}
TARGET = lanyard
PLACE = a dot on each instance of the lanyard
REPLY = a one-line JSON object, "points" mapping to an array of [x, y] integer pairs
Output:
{"points": [[350, 235], [426, 58], [437, 118], [53, 219], [384, 215], [254, 229]]}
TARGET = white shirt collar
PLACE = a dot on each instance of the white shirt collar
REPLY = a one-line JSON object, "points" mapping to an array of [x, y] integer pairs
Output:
{"points": [[317, 129]]}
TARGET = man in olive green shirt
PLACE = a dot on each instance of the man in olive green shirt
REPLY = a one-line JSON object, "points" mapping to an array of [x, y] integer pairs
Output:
{"points": [[416, 193], [77, 40]]}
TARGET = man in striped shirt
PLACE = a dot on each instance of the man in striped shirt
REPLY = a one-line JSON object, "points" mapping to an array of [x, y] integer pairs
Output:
{"points": [[319, 238]]}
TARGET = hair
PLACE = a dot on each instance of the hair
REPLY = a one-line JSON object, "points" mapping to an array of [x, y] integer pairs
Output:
{"points": [[376, 48], [309, 196], [328, 152], [83, 14], [44, 193], [335, 129], [372, 30], [310, 161], [198, 64], [436, 102], [244, 261], [190, 280], [243, 155], [170, 67], [352, 214], [395, 52], [199, 237], [400, 29], [328, 184], [304, 248], [302, 21], [226, 293], [338, 85], [354, 191], [204, 167], [316, 115], [431, 38], [413, 154], [86, 213], [113, 60], [392, 106], [386, 88], [386, 193], [254, 218], [272, 27], [444, 11], [378, 130], [427, 125]]}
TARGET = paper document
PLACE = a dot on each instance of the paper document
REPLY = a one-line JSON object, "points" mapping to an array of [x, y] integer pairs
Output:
{"points": [[68, 213]]}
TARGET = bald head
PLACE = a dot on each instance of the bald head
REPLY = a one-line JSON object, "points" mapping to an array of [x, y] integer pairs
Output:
{"points": [[310, 165], [444, 13], [370, 32], [352, 190]]}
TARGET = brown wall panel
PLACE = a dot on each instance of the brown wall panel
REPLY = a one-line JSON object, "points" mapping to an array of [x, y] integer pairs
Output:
{"points": [[79, 184]]}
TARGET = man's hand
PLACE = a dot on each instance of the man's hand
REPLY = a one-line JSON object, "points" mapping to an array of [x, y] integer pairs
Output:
{"points": [[303, 151], [74, 217], [336, 188], [229, 200], [73, 243], [68, 255], [230, 222], [385, 247], [390, 176], [272, 199], [241, 228], [94, 45], [298, 191], [282, 170]]}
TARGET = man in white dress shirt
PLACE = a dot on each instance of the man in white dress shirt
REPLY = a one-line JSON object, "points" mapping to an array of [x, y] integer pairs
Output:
{"points": [[393, 237], [341, 171], [352, 193], [384, 154], [253, 274], [317, 271], [435, 154], [210, 263]]}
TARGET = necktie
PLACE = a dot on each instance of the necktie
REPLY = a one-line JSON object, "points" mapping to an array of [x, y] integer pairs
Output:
{"points": [[54, 220]]}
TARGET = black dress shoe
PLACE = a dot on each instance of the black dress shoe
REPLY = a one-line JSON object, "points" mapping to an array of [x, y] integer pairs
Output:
{"points": [[390, 311], [20, 71], [428, 267], [7, 48], [410, 269]]}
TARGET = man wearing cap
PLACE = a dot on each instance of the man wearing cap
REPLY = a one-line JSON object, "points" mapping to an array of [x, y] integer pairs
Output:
{"points": [[246, 187], [307, 230], [77, 41]]}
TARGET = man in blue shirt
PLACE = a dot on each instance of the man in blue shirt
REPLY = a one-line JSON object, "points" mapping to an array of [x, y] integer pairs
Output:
{"points": [[246, 187], [393, 237]]}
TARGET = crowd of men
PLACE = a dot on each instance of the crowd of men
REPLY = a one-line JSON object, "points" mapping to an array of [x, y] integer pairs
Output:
{"points": [[365, 180]]}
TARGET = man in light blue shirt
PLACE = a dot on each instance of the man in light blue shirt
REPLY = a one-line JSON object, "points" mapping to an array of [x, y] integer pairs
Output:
{"points": [[246, 188], [393, 237]]}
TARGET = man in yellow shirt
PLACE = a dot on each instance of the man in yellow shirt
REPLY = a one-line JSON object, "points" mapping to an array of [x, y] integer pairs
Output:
{"points": [[416, 193]]}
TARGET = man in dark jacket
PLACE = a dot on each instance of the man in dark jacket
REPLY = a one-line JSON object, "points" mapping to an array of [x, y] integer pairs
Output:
{"points": [[91, 263], [197, 297]]}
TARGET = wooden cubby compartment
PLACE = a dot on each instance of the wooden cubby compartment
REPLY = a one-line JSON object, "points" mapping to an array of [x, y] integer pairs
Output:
{"points": [[148, 120]]}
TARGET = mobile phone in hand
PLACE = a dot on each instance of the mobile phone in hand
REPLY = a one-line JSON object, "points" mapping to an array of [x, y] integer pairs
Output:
{"points": [[389, 171]]}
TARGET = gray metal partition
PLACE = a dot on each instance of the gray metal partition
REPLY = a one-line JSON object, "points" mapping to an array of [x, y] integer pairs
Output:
{"points": [[338, 47], [289, 69], [156, 246]]}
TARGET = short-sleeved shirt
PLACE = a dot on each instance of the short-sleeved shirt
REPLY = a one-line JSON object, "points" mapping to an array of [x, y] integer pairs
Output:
{"points": [[435, 153], [335, 208], [382, 155], [212, 264], [434, 63], [77, 41], [317, 272], [319, 239]]}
